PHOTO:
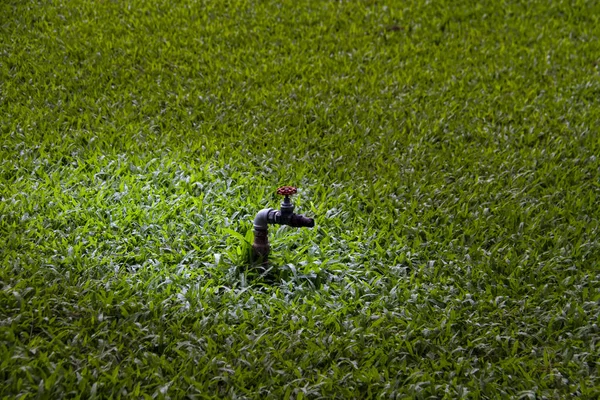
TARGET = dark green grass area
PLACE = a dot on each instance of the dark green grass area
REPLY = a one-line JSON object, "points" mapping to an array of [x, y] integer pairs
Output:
{"points": [[449, 152]]}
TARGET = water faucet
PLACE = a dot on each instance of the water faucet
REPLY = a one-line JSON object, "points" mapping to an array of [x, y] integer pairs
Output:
{"points": [[284, 216]]}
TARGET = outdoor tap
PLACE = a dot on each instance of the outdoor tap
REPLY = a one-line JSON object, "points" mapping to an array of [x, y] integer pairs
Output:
{"points": [[284, 216]]}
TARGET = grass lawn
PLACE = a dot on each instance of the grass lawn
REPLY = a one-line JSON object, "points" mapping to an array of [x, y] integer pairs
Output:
{"points": [[448, 150]]}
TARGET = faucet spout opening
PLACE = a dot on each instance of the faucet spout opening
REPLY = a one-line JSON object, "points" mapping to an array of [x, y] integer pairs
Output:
{"points": [[300, 221]]}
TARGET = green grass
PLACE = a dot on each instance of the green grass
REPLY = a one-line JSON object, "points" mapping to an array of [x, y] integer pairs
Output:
{"points": [[449, 152]]}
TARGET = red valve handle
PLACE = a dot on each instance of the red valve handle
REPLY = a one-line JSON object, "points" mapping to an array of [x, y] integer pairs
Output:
{"points": [[287, 190]]}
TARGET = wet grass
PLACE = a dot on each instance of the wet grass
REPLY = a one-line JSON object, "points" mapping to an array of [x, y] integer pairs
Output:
{"points": [[448, 150]]}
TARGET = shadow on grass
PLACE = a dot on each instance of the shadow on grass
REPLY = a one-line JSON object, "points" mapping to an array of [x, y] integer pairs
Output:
{"points": [[274, 274]]}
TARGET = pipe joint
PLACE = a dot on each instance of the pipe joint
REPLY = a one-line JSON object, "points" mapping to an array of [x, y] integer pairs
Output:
{"points": [[265, 217]]}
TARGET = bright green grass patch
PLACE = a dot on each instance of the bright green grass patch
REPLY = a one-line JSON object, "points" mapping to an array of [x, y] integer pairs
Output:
{"points": [[449, 152]]}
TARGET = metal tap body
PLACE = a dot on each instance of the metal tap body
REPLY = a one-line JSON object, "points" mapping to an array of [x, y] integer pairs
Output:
{"points": [[269, 216]]}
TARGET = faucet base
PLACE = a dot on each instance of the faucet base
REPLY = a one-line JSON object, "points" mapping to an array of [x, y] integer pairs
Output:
{"points": [[260, 247]]}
